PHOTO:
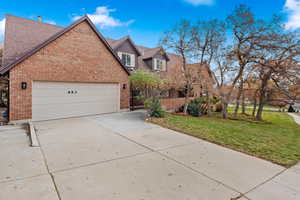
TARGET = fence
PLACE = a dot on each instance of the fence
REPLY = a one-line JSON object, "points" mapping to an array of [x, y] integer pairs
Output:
{"points": [[172, 104]]}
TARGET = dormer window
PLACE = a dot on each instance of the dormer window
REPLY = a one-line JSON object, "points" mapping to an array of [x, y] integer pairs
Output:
{"points": [[127, 59], [159, 64]]}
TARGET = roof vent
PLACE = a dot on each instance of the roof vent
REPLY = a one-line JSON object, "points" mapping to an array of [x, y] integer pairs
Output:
{"points": [[40, 18]]}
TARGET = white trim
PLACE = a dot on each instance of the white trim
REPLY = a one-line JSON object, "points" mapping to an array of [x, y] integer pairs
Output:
{"points": [[119, 97], [132, 59], [154, 64], [164, 67], [120, 55], [163, 64]]}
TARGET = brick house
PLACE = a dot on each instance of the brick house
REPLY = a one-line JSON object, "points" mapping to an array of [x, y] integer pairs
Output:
{"points": [[57, 72]]}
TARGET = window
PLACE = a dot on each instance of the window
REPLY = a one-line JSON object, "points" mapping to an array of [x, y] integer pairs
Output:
{"points": [[127, 59], [159, 64]]}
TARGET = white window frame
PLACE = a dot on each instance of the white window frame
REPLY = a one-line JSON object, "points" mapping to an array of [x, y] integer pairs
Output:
{"points": [[131, 57], [162, 63]]}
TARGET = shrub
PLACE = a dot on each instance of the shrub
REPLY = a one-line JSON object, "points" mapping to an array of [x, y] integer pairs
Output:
{"points": [[199, 100], [154, 108], [219, 107], [291, 109], [193, 109]]}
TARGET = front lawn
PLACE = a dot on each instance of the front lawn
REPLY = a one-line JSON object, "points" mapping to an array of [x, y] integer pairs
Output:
{"points": [[266, 107], [276, 139]]}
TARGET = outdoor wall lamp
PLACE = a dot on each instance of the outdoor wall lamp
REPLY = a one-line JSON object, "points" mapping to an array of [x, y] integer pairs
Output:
{"points": [[23, 85], [124, 86]]}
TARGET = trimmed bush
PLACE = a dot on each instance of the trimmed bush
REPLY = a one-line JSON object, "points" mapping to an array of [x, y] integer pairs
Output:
{"points": [[193, 109], [154, 108]]}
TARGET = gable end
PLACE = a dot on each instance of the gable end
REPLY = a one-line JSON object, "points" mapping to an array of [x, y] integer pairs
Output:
{"points": [[57, 35]]}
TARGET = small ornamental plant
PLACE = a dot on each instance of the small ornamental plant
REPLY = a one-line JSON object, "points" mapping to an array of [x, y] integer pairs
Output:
{"points": [[150, 87]]}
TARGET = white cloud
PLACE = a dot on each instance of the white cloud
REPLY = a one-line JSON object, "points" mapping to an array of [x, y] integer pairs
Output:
{"points": [[2, 27], [103, 18], [292, 8], [50, 22], [200, 2]]}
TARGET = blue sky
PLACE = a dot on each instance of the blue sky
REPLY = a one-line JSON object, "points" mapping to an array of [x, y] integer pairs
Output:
{"points": [[143, 20]]}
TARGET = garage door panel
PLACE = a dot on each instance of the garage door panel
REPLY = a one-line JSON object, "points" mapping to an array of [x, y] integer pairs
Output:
{"points": [[57, 102], [69, 111], [64, 100], [51, 100], [50, 92]]}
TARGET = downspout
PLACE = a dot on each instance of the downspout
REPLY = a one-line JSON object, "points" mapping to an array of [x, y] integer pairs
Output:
{"points": [[8, 98]]}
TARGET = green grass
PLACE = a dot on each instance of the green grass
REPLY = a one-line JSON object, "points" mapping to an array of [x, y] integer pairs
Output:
{"points": [[277, 138], [266, 107]]}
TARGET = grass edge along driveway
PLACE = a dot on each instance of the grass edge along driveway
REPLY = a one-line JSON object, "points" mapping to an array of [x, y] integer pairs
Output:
{"points": [[276, 139]]}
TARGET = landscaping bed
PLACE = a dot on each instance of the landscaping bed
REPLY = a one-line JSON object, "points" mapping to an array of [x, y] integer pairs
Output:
{"points": [[276, 139]]}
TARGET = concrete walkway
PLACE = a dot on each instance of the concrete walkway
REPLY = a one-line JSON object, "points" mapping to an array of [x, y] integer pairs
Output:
{"points": [[121, 157], [296, 117]]}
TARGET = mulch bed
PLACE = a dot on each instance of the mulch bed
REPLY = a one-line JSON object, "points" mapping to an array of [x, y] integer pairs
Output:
{"points": [[181, 114]]}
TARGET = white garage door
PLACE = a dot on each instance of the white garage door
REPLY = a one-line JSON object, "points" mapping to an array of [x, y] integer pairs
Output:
{"points": [[54, 100]]}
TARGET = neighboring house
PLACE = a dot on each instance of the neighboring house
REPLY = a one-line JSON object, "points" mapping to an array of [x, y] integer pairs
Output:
{"points": [[57, 72]]}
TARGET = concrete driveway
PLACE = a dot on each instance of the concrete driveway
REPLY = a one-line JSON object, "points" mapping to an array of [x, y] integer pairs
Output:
{"points": [[121, 157]]}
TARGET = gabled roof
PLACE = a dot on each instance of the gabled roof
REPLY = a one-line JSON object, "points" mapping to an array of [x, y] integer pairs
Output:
{"points": [[36, 48], [22, 35], [145, 52], [152, 52], [117, 43]]}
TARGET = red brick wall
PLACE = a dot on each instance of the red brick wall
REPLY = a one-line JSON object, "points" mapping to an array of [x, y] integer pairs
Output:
{"points": [[172, 103], [76, 56]]}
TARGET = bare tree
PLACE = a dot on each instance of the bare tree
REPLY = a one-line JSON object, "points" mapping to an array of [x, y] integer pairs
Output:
{"points": [[245, 29], [208, 36], [223, 72], [251, 92], [240, 97], [277, 60], [232, 65], [179, 40]]}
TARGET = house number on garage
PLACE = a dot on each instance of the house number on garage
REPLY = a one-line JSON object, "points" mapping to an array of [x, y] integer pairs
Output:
{"points": [[72, 92]]}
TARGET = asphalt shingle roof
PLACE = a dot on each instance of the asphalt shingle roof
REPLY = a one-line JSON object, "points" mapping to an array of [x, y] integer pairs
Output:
{"points": [[24, 37]]}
